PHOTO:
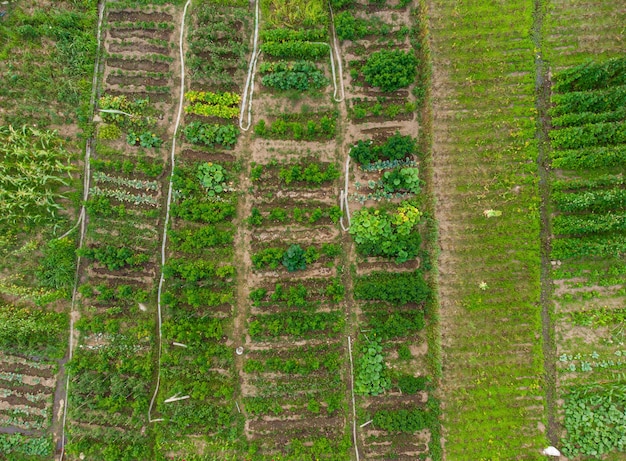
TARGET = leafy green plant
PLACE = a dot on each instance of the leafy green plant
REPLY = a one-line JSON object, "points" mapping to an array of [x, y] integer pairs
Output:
{"points": [[109, 131], [206, 103], [114, 258], [58, 265], [294, 258], [390, 235], [406, 179], [407, 421], [594, 417], [371, 374], [395, 148], [397, 289], [212, 177], [210, 135], [410, 384], [390, 70], [301, 75]]}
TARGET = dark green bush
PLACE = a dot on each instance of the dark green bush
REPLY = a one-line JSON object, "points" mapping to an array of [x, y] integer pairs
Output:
{"points": [[390, 70], [402, 288], [294, 258]]}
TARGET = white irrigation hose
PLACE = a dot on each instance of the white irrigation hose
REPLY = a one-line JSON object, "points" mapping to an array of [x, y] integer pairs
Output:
{"points": [[115, 111], [167, 212], [338, 55], [249, 88], [343, 198], [82, 221], [356, 446]]}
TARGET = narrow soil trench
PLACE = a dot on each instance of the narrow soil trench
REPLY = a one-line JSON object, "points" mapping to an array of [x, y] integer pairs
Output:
{"points": [[542, 102]]}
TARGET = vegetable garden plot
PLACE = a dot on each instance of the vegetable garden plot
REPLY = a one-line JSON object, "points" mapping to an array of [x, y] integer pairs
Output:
{"points": [[291, 394], [383, 53], [293, 376], [195, 408], [112, 370], [31, 339], [218, 46], [384, 195], [588, 249]]}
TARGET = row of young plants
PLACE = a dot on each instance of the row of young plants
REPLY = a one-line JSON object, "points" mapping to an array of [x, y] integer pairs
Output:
{"points": [[589, 243]]}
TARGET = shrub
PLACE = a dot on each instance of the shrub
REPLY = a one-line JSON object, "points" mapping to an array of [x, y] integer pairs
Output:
{"points": [[397, 289], [390, 70], [409, 384], [295, 258]]}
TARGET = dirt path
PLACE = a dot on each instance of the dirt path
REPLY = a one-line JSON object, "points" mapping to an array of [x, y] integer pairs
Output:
{"points": [[542, 85]]}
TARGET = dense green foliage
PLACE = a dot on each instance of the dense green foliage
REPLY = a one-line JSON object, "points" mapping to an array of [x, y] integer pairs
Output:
{"points": [[390, 234], [301, 75], [284, 128], [390, 70], [209, 104], [18, 444], [210, 135], [372, 377], [309, 51], [35, 165], [396, 147], [591, 76], [389, 324], [594, 421], [294, 258], [32, 331], [296, 324], [113, 257], [58, 265], [312, 173], [408, 421], [403, 288]]}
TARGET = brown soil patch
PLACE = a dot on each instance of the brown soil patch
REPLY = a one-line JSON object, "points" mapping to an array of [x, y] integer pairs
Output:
{"points": [[135, 80], [125, 33], [138, 65], [135, 46], [138, 16]]}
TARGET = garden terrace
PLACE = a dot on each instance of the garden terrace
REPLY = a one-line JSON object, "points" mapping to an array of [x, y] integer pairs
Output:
{"points": [[585, 110]]}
